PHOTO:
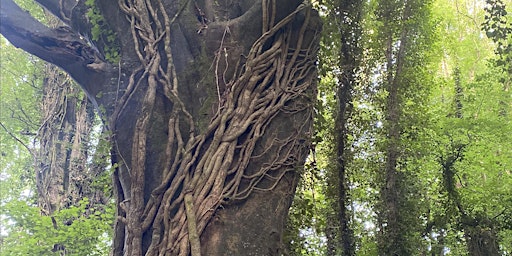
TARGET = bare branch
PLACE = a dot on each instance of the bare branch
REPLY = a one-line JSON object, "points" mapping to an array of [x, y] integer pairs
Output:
{"points": [[62, 9], [59, 46], [17, 139]]}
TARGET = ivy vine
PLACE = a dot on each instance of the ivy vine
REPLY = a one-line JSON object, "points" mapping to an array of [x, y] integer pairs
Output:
{"points": [[100, 32]]}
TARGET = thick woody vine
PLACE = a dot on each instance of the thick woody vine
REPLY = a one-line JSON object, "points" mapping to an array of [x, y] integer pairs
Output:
{"points": [[204, 170]]}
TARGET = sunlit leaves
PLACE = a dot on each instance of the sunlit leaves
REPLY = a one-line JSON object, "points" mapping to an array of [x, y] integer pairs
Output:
{"points": [[77, 230], [35, 10], [498, 27], [19, 117], [451, 49]]}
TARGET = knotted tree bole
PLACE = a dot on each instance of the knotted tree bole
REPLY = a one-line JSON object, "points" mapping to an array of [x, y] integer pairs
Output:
{"points": [[209, 166], [209, 109]]}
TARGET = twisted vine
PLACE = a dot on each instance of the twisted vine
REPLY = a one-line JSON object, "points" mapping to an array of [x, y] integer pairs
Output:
{"points": [[205, 170]]}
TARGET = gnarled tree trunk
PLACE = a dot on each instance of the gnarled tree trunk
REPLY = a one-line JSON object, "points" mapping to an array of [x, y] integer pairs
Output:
{"points": [[209, 105], [64, 171]]}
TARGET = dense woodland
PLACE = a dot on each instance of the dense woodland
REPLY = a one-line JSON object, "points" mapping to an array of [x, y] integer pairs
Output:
{"points": [[411, 151]]}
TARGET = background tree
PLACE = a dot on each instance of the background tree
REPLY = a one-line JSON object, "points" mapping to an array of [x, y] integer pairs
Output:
{"points": [[405, 31], [448, 76], [324, 191], [56, 209], [348, 20], [464, 145]]}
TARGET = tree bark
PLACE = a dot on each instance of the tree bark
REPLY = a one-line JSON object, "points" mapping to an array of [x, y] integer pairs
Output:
{"points": [[482, 240], [63, 173], [210, 110], [349, 24]]}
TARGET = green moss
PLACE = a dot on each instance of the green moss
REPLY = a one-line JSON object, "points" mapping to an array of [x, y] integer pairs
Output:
{"points": [[201, 80]]}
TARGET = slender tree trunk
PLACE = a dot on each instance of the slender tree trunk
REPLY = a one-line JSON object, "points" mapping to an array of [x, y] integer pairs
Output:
{"points": [[479, 232], [393, 219], [347, 17], [330, 234], [440, 247], [459, 93], [390, 190]]}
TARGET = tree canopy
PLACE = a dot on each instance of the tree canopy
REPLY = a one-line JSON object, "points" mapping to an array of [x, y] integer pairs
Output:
{"points": [[187, 127]]}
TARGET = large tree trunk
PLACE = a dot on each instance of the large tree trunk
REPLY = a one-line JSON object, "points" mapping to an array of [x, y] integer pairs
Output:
{"points": [[209, 106], [64, 173], [68, 167]]}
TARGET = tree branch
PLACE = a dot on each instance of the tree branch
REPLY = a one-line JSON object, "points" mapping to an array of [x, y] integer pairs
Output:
{"points": [[59, 46], [62, 9], [71, 12], [17, 139]]}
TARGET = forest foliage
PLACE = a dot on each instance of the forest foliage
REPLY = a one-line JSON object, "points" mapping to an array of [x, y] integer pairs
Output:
{"points": [[451, 62], [455, 144]]}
